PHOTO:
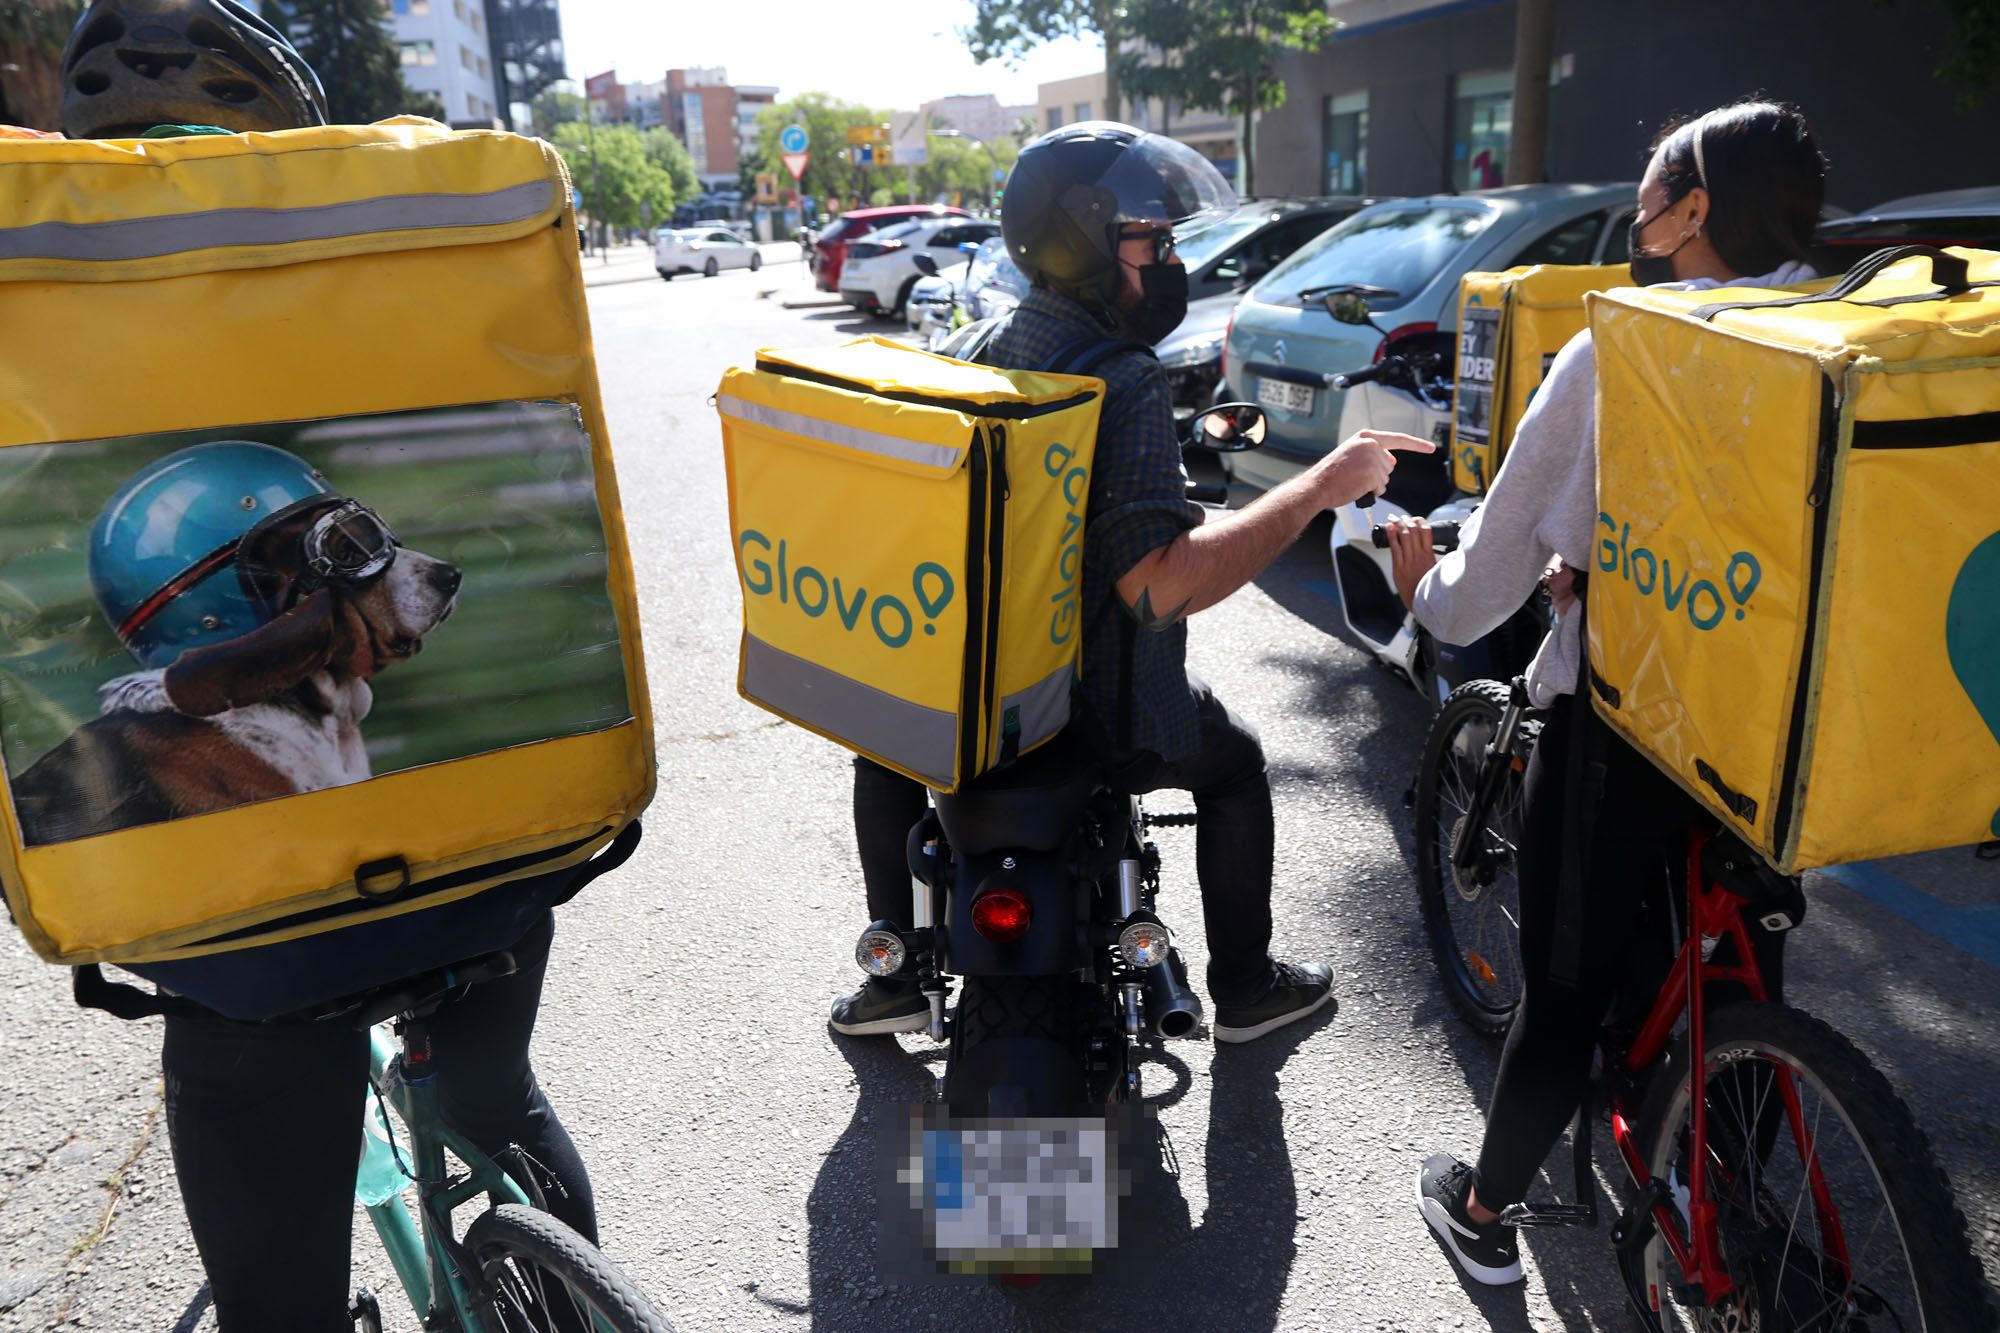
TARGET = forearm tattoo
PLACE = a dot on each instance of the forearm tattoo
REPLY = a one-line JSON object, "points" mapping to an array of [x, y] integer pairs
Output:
{"points": [[1143, 612]]}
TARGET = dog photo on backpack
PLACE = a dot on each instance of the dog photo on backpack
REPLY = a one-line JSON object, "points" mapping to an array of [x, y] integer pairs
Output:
{"points": [[194, 621]]}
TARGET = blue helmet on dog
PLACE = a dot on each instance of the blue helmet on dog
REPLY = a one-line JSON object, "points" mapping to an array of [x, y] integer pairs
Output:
{"points": [[163, 553]]}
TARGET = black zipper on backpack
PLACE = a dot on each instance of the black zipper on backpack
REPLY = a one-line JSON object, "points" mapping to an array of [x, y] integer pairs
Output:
{"points": [[1002, 411], [1821, 502], [996, 549], [971, 724]]}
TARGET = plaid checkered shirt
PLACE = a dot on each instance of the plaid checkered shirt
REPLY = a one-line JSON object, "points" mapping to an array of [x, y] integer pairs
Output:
{"points": [[1138, 503]]}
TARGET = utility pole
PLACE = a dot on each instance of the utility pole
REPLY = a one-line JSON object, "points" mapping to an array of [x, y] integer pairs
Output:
{"points": [[1534, 45]]}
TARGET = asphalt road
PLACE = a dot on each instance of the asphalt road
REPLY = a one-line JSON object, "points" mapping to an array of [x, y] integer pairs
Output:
{"points": [[732, 1139]]}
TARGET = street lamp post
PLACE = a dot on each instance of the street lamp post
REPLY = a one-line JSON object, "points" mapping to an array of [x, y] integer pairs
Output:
{"points": [[992, 162]]}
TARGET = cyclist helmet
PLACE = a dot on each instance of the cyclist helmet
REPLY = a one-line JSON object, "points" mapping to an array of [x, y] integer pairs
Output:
{"points": [[1073, 188], [164, 553], [133, 64]]}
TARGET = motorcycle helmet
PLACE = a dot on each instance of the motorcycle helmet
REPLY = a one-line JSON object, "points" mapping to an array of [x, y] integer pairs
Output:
{"points": [[164, 550], [133, 64], [1073, 188]]}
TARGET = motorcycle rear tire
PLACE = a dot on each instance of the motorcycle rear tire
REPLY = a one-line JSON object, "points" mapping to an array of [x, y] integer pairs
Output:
{"points": [[1013, 1050]]}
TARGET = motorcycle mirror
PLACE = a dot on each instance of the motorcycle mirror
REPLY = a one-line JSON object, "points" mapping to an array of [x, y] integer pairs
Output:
{"points": [[925, 265], [968, 247], [1228, 429]]}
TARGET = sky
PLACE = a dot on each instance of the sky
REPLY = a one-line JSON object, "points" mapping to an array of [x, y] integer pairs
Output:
{"points": [[894, 56]]}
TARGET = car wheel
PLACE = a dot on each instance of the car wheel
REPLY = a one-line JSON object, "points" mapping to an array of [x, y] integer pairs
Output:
{"points": [[710, 269], [664, 275], [903, 298], [756, 261]]}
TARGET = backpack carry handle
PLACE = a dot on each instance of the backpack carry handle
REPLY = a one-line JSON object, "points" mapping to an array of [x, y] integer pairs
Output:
{"points": [[1950, 272]]}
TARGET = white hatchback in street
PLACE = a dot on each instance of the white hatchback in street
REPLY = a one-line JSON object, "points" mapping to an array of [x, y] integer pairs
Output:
{"points": [[703, 250], [881, 267]]}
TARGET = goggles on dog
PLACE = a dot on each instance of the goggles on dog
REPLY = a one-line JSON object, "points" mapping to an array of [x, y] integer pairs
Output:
{"points": [[348, 544]]}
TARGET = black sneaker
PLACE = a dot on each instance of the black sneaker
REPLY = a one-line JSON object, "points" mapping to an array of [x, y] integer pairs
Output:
{"points": [[1488, 1252], [1295, 990], [881, 1007]]}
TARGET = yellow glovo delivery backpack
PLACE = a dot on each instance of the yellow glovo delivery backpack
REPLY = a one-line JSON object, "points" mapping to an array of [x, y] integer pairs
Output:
{"points": [[1795, 591], [1510, 326], [909, 536], [315, 607]]}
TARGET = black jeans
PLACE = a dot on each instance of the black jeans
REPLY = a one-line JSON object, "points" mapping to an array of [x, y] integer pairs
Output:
{"points": [[265, 1124], [1638, 848], [1233, 838]]}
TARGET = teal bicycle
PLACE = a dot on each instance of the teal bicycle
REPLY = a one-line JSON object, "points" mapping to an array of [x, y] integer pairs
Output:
{"points": [[517, 1268]]}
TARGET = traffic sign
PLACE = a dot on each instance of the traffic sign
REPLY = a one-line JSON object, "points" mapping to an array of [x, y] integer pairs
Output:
{"points": [[792, 139], [860, 134], [796, 163]]}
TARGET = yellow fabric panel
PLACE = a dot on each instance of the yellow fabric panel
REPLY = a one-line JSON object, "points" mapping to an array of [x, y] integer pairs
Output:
{"points": [[1049, 463], [894, 367]]}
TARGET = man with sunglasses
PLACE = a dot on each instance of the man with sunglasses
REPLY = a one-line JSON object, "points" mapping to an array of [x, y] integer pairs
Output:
{"points": [[1090, 216]]}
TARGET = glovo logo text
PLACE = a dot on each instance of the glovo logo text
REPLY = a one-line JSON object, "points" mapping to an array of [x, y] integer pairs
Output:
{"points": [[768, 571], [1704, 604], [1057, 461]]}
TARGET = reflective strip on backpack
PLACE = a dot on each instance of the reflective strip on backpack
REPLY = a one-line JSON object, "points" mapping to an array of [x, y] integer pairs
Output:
{"points": [[1044, 706], [921, 740], [847, 437], [178, 233]]}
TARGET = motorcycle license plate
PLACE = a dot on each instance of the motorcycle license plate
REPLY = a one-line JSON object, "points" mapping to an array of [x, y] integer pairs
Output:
{"points": [[1016, 1189], [1287, 396]]}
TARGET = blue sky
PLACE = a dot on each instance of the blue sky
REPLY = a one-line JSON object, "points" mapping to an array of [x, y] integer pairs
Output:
{"points": [[886, 53]]}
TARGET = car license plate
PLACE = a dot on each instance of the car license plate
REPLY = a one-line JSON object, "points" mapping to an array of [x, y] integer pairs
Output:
{"points": [[1015, 1188], [1285, 395]]}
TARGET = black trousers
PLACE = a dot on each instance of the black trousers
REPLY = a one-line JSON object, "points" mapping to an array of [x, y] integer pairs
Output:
{"points": [[1638, 849], [1233, 838], [265, 1125]]}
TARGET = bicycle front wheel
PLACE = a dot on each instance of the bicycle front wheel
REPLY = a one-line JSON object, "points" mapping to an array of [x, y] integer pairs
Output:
{"points": [[1831, 1212], [538, 1276], [1472, 916]]}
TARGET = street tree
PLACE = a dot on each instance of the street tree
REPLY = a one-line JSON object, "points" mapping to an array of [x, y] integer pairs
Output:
{"points": [[616, 175], [826, 119], [665, 150], [32, 33], [1006, 30], [556, 105], [348, 44], [1219, 55]]}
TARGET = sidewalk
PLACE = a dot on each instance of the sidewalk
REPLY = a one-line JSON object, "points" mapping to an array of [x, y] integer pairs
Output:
{"points": [[634, 263]]}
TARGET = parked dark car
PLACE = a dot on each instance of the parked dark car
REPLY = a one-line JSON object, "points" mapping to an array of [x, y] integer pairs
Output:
{"points": [[1949, 217]]}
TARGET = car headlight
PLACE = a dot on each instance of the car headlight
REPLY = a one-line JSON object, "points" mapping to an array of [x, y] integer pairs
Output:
{"points": [[1193, 352]]}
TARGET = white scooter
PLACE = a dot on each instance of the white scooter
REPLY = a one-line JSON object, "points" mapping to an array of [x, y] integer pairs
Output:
{"points": [[1409, 389]]}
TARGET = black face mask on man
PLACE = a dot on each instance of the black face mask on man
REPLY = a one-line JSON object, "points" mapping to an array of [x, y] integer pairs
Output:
{"points": [[1163, 303]]}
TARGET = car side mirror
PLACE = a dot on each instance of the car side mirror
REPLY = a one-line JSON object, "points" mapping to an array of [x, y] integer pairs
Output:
{"points": [[925, 264], [1348, 307], [1228, 429]]}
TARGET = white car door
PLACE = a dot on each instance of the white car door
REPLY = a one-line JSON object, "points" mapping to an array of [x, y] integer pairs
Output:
{"points": [[735, 250]]}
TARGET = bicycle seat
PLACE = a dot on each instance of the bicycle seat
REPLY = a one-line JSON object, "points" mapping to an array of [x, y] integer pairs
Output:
{"points": [[1032, 804], [1776, 902], [421, 994]]}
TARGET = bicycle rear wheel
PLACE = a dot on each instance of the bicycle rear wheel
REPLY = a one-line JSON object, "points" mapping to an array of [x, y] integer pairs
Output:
{"points": [[539, 1276], [1831, 1211], [1471, 916]]}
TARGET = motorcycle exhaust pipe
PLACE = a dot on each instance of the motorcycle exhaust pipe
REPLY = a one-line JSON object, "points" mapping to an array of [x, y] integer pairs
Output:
{"points": [[1172, 1010]]}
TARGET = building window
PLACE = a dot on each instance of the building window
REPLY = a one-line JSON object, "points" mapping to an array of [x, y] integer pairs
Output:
{"points": [[485, 70], [471, 105], [1055, 118], [478, 21], [1482, 120], [1082, 112], [1347, 144], [458, 8], [419, 53], [465, 56]]}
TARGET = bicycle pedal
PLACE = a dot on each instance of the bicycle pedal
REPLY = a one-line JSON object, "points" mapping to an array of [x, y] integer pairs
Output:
{"points": [[365, 1312], [1548, 1215], [1635, 1224]]}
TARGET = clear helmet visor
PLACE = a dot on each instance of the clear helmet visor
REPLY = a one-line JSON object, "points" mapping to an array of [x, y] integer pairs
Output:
{"points": [[1155, 180]]}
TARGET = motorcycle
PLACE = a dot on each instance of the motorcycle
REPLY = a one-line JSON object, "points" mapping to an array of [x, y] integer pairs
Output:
{"points": [[1036, 886], [1409, 389]]}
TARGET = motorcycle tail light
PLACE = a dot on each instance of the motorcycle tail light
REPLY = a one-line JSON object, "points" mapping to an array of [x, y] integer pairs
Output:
{"points": [[1404, 331], [880, 953], [1145, 943], [1001, 915]]}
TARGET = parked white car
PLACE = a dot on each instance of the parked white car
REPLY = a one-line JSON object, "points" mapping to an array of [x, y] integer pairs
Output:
{"points": [[703, 250], [881, 268]]}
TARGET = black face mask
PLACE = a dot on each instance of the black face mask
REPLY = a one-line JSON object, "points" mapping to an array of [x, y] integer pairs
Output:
{"points": [[1163, 303], [1648, 270]]}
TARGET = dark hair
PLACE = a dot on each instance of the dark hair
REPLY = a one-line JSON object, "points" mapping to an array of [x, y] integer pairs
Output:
{"points": [[1765, 177]]}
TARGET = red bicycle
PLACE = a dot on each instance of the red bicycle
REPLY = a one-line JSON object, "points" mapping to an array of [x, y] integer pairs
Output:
{"points": [[1778, 1183]]}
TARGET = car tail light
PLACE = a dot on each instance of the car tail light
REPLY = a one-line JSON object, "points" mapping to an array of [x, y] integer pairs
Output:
{"points": [[1404, 331], [1001, 915]]}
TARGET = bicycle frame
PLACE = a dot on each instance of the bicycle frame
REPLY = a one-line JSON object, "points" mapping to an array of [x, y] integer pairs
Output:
{"points": [[429, 1262], [1712, 912]]}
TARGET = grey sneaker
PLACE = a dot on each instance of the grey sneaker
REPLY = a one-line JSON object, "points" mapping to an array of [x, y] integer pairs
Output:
{"points": [[879, 1008], [1295, 990]]}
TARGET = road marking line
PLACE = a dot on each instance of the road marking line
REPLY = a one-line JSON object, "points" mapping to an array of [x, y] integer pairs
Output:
{"points": [[1975, 930]]}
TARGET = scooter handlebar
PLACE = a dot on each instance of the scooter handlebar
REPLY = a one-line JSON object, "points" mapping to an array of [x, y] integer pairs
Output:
{"points": [[1201, 493], [1444, 536], [1347, 379]]}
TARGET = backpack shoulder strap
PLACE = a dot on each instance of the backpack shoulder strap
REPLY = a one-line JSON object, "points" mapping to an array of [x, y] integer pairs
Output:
{"points": [[1083, 354]]}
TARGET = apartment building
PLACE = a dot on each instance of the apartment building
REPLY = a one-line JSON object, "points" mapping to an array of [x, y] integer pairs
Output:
{"points": [[448, 52], [982, 117], [1067, 101]]}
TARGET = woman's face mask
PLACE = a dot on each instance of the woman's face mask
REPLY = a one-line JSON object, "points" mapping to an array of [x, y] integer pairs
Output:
{"points": [[1648, 269]]}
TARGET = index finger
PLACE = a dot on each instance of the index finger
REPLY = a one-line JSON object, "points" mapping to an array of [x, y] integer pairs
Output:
{"points": [[1395, 439]]}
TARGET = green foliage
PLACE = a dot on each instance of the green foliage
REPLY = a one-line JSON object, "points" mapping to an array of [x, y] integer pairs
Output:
{"points": [[826, 119], [1006, 30], [348, 44], [38, 27], [1219, 55], [556, 106], [616, 172], [665, 151], [961, 166], [1972, 65]]}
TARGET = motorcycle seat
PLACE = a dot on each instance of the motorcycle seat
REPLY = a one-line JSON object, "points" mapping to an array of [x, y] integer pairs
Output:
{"points": [[1033, 804]]}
